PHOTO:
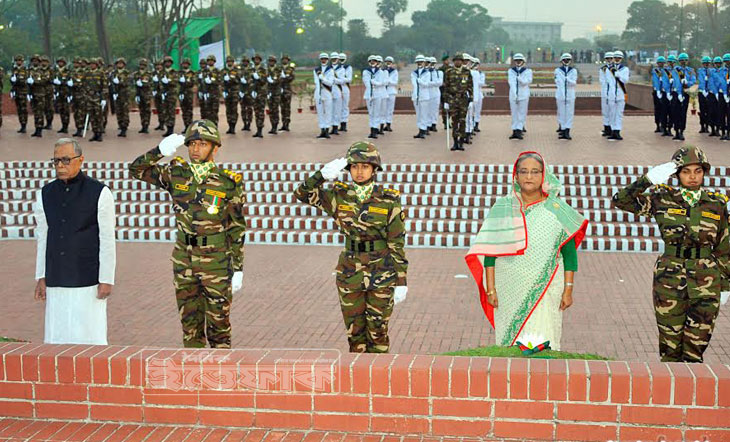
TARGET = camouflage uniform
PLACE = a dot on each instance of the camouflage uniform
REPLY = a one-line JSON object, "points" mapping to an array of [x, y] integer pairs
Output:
{"points": [[94, 90], [245, 93], [48, 94], [443, 68], [213, 89], [157, 95], [286, 92], [37, 95], [121, 100], [231, 86], [694, 268], [259, 92], [19, 90], [186, 81], [210, 237], [143, 94], [202, 90], [76, 95], [168, 89], [374, 260], [109, 95], [273, 81], [458, 86], [61, 94]]}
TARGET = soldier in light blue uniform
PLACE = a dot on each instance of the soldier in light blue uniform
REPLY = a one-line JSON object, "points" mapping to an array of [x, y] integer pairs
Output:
{"points": [[716, 100], [660, 84], [704, 74], [683, 78], [722, 81]]}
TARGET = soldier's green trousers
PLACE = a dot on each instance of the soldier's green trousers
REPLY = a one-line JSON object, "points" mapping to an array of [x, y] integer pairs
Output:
{"points": [[21, 104], [247, 109], [168, 110], [274, 103], [79, 111], [39, 112], [232, 109], [457, 112], [186, 108], [213, 108], [145, 110], [202, 278], [160, 112], [286, 97], [685, 311], [259, 110], [48, 107], [63, 109], [121, 106], [366, 305]]}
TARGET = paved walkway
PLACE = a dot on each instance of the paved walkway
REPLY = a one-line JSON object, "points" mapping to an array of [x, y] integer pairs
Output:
{"points": [[289, 301]]}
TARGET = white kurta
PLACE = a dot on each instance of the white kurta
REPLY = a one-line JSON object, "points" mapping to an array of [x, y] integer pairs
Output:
{"points": [[74, 315]]}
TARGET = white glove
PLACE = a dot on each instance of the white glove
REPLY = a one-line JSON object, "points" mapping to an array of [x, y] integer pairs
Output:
{"points": [[471, 105], [115, 96], [226, 78], [139, 83], [30, 97], [154, 93], [13, 79], [243, 80], [170, 143], [446, 106], [12, 95], [256, 76], [70, 83], [321, 76], [69, 99], [332, 169], [165, 80], [181, 79], [103, 104], [283, 75], [680, 98], [136, 98], [705, 93], [181, 97], [724, 297], [660, 174], [399, 294], [200, 95], [200, 76], [270, 80], [56, 81], [115, 80], [225, 94], [236, 282], [659, 94], [254, 94], [240, 95], [208, 80], [30, 80], [155, 78], [207, 96]]}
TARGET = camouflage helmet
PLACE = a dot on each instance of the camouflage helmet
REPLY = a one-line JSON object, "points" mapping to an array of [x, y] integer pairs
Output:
{"points": [[684, 156], [61, 58], [158, 62], [211, 57], [19, 57], [245, 58], [286, 57], [143, 61], [363, 152], [255, 56], [77, 59], [35, 57], [94, 60], [167, 58], [230, 58], [458, 56], [186, 60], [272, 57], [203, 130], [45, 59], [122, 59]]}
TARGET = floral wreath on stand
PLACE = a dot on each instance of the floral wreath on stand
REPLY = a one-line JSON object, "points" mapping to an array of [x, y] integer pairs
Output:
{"points": [[530, 344]]}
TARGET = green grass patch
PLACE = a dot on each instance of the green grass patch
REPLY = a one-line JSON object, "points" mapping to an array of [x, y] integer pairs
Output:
{"points": [[6, 339], [496, 351]]}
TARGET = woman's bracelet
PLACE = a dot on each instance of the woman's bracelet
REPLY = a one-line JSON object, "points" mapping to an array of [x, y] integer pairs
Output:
{"points": [[569, 284]]}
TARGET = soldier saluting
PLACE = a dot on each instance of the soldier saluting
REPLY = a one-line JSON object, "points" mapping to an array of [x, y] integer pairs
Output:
{"points": [[694, 269], [371, 271], [208, 202]]}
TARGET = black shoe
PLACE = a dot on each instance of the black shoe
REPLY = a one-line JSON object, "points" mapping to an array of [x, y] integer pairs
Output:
{"points": [[676, 136], [231, 130], [566, 134], [169, 131], [421, 134], [667, 132], [390, 129], [373, 133], [48, 126], [273, 131], [38, 132], [63, 130], [334, 131], [247, 127], [460, 144], [122, 132], [606, 131], [285, 127], [681, 135], [558, 130], [78, 133], [524, 130], [144, 130], [703, 129], [618, 136], [455, 146], [22, 129], [520, 134], [323, 133], [343, 127], [380, 130], [658, 129], [434, 128], [258, 133], [476, 127], [467, 138], [95, 137], [160, 127], [514, 135], [561, 134]]}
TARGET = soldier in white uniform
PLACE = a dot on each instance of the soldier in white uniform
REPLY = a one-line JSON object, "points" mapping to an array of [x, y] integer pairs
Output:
{"points": [[479, 97], [369, 80], [437, 80], [345, 92], [421, 82], [324, 80], [381, 94], [471, 114], [392, 89], [608, 59], [336, 93], [519, 79], [566, 77], [616, 79]]}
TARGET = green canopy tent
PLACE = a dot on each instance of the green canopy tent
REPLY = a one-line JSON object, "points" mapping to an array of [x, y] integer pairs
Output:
{"points": [[196, 28]]}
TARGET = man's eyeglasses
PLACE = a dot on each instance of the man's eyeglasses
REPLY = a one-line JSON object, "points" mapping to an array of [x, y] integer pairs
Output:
{"points": [[65, 160]]}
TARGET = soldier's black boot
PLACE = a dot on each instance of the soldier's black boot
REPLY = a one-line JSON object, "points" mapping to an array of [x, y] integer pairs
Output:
{"points": [[78, 133], [123, 132], [476, 127], [373, 133], [343, 127], [566, 134], [48, 126], [455, 146], [273, 130], [388, 128], [514, 135], [676, 135], [434, 128], [713, 132], [421, 134], [667, 131], [38, 132], [285, 127], [460, 145], [231, 130], [144, 130], [334, 130], [160, 127], [606, 131], [520, 134], [63, 130], [618, 136], [258, 133], [658, 129], [681, 135], [169, 131], [467, 138], [22, 129], [380, 130], [561, 134]]}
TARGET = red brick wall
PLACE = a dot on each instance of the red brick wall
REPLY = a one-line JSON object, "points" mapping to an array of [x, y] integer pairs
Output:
{"points": [[389, 394]]}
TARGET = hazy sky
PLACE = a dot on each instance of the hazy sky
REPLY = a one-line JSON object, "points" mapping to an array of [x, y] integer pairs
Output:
{"points": [[579, 17]]}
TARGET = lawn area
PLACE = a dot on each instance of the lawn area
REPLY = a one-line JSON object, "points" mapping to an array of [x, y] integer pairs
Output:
{"points": [[496, 351]]}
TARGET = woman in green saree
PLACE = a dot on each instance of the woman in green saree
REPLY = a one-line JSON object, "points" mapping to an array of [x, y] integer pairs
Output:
{"points": [[527, 245]]}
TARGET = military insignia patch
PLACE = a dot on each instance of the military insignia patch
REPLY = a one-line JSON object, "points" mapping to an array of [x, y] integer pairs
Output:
{"points": [[378, 210], [346, 208], [215, 193], [711, 215], [182, 187], [677, 211]]}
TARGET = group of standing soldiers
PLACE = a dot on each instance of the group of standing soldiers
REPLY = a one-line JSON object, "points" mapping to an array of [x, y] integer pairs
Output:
{"points": [[89, 91]]}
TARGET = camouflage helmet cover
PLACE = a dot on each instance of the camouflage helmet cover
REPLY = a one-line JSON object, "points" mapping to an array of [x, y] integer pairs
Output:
{"points": [[186, 60], [122, 60], [230, 58], [19, 57], [167, 58], [203, 130], [684, 156], [211, 57], [143, 61], [363, 152], [61, 58]]}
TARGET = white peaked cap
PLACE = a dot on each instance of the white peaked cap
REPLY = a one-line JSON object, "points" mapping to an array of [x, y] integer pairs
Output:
{"points": [[371, 58], [390, 59], [420, 57], [608, 55], [343, 56], [566, 55], [618, 54], [335, 55], [324, 55], [379, 58], [519, 56]]}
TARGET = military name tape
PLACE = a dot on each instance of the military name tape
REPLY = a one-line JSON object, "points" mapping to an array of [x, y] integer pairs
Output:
{"points": [[182, 187], [677, 211], [215, 193], [346, 208], [378, 210], [711, 215]]}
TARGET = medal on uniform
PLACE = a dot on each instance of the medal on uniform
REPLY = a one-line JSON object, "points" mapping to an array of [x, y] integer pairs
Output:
{"points": [[213, 208]]}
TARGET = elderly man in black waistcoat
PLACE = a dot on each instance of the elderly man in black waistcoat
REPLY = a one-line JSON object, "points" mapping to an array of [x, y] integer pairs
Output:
{"points": [[76, 254]]}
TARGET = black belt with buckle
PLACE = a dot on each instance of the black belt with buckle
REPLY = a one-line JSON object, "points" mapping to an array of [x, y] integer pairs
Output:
{"points": [[217, 239], [365, 246], [687, 252]]}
